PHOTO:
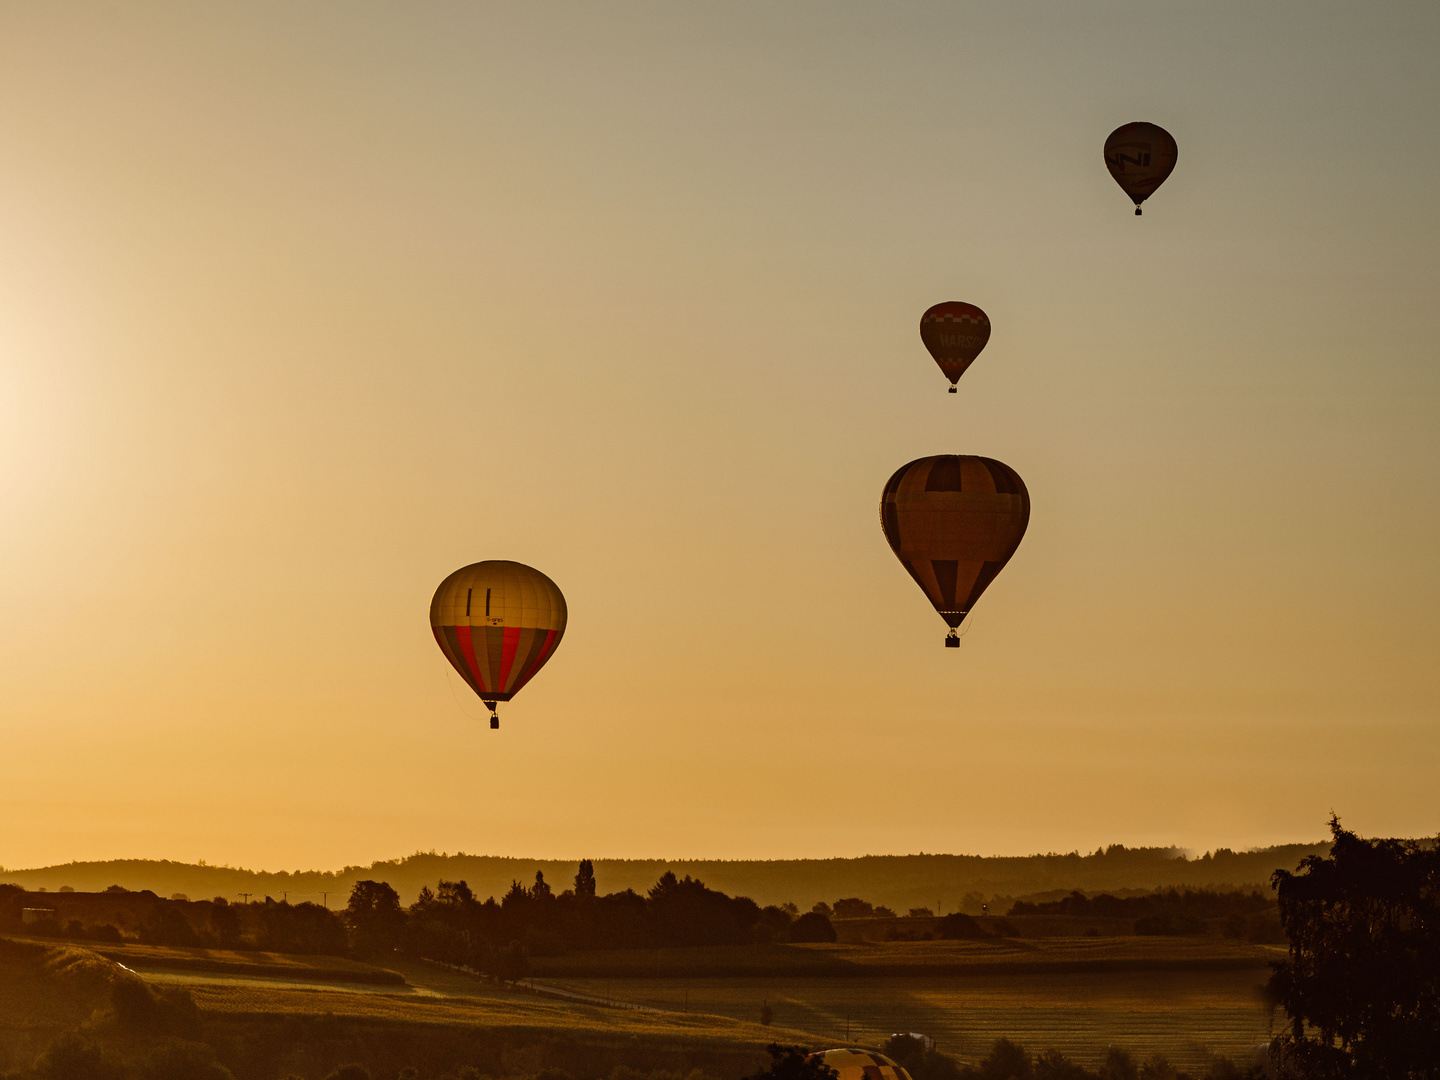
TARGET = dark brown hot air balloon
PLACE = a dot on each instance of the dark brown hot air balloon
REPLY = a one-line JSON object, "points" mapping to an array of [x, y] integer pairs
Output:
{"points": [[497, 623], [1140, 156], [954, 333], [953, 521]]}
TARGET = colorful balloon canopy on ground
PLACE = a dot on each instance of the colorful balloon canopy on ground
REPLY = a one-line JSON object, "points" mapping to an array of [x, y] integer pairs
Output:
{"points": [[953, 521], [1140, 156], [497, 622], [855, 1064], [954, 332]]}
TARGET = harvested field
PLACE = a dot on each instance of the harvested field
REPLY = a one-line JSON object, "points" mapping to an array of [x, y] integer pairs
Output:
{"points": [[904, 958], [1181, 1014]]}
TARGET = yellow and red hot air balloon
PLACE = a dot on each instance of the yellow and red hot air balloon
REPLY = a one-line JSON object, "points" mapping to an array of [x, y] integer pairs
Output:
{"points": [[497, 622], [852, 1063], [954, 332], [953, 521], [1140, 156]]}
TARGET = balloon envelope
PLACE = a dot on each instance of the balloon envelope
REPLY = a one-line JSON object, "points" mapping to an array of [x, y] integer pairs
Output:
{"points": [[954, 332], [855, 1064], [953, 521], [1140, 156], [497, 622]]}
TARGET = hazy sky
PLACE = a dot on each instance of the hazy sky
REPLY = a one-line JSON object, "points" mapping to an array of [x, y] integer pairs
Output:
{"points": [[303, 306]]}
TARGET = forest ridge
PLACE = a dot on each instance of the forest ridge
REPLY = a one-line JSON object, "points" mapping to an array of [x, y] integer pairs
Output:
{"points": [[901, 882]]}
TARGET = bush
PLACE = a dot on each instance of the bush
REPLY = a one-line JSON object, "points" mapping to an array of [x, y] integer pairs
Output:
{"points": [[1118, 1065], [136, 1008], [1006, 1061], [812, 927], [959, 927], [920, 1063], [793, 1063], [71, 1057], [180, 1060], [1053, 1065]]}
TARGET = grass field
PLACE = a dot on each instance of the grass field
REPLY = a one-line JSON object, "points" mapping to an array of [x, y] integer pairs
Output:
{"points": [[905, 958], [268, 1026], [1184, 1015], [1184, 997]]}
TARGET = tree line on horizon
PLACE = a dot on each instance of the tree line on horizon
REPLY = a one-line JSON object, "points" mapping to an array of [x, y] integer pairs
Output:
{"points": [[450, 923], [960, 882]]}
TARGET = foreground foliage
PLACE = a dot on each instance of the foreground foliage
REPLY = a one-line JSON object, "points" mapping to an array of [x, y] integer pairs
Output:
{"points": [[1362, 980]]}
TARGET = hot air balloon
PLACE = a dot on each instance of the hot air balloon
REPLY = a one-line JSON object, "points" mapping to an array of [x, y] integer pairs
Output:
{"points": [[1140, 156], [497, 622], [853, 1063], [953, 521], [954, 333]]}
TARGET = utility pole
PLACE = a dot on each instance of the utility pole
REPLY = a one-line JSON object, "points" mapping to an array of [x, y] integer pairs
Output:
{"points": [[325, 899], [245, 896]]}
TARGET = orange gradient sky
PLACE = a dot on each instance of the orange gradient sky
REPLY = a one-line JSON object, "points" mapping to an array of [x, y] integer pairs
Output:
{"points": [[304, 306]]}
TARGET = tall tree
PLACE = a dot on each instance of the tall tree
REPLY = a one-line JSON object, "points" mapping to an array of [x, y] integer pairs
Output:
{"points": [[1361, 983], [585, 881], [374, 916]]}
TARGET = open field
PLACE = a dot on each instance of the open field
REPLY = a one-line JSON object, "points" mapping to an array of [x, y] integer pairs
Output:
{"points": [[1182, 1015], [144, 958], [266, 1028], [1184, 997], [904, 958]]}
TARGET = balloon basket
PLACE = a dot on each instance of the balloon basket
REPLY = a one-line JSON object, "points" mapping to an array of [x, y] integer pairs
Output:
{"points": [[952, 640], [494, 723], [1137, 211], [953, 390]]}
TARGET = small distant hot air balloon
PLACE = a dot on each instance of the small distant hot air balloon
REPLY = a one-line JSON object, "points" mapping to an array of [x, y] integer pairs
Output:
{"points": [[954, 333], [497, 622], [953, 521], [1140, 156]]}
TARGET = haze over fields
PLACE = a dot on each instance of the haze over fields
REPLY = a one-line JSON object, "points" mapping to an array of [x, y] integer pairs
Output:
{"points": [[302, 307]]}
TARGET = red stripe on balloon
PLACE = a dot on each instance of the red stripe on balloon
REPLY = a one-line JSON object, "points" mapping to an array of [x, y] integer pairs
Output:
{"points": [[467, 648], [507, 656]]}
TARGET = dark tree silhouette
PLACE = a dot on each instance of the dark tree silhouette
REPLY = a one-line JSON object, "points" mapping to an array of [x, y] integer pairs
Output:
{"points": [[1361, 983], [585, 881], [1006, 1061], [1118, 1065], [1053, 1065], [454, 893], [920, 1063], [957, 926], [812, 927], [793, 1063], [374, 916]]}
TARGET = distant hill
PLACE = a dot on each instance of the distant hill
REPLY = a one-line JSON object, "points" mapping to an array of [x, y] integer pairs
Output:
{"points": [[901, 882]]}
